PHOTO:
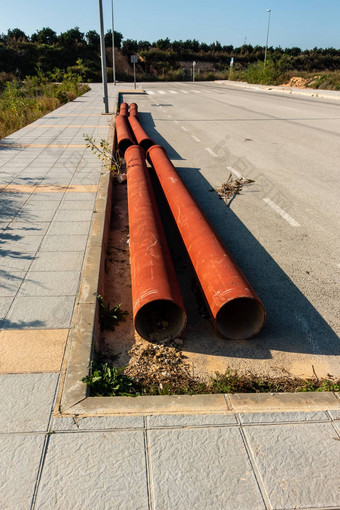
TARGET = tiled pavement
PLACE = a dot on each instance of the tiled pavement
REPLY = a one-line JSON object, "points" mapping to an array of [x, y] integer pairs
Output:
{"points": [[281, 460]]}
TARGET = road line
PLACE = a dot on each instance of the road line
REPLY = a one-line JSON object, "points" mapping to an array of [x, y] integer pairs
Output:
{"points": [[184, 91], [161, 92], [235, 172], [282, 213], [176, 121], [197, 91], [211, 152], [195, 138], [184, 128], [150, 92], [173, 92]]}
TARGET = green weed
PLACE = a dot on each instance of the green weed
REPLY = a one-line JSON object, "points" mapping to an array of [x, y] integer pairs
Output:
{"points": [[104, 380], [110, 317]]}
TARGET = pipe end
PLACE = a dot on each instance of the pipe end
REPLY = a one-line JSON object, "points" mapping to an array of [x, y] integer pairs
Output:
{"points": [[241, 318], [160, 320]]}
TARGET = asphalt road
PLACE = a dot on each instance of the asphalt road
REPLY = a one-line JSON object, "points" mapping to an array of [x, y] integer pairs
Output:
{"points": [[283, 230]]}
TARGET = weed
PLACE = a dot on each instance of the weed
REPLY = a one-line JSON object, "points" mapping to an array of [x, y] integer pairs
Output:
{"points": [[110, 317], [105, 380], [103, 152]]}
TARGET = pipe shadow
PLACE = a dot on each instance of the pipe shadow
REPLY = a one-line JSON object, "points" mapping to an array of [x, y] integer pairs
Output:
{"points": [[292, 325], [148, 124]]}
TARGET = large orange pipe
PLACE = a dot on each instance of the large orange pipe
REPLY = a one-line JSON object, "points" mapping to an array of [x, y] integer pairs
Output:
{"points": [[141, 136], [124, 136], [158, 309], [237, 311], [124, 109]]}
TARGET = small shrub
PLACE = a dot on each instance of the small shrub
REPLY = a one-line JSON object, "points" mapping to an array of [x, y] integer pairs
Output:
{"points": [[105, 380], [110, 317]]}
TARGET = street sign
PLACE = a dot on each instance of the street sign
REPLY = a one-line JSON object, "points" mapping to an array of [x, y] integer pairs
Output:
{"points": [[134, 59]]}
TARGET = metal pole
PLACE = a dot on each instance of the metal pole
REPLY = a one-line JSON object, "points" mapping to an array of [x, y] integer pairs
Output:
{"points": [[103, 56], [265, 52], [113, 47], [134, 73]]}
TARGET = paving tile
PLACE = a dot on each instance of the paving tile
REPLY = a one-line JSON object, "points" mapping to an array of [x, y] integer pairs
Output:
{"points": [[97, 423], [18, 228], [26, 401], [77, 205], [52, 283], [69, 227], [20, 243], [247, 418], [80, 197], [25, 351], [5, 304], [13, 260], [10, 282], [64, 243], [19, 465], [41, 205], [40, 313], [202, 468], [35, 216], [58, 261], [335, 415], [299, 464], [94, 470], [62, 216], [187, 420]]}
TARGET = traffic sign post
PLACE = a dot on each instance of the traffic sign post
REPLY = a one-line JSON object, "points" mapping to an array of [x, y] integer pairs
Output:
{"points": [[193, 70], [134, 60]]}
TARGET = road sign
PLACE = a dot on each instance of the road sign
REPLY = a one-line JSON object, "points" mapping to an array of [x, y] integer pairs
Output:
{"points": [[134, 59]]}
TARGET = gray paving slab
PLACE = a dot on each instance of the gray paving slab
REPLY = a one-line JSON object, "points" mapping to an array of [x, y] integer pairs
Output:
{"points": [[34, 216], [26, 402], [64, 243], [14, 260], [5, 304], [283, 417], [76, 205], [69, 227], [17, 228], [41, 205], [94, 470], [97, 423], [189, 420], [10, 282], [58, 261], [19, 466], [41, 312], [335, 415], [299, 464], [202, 468], [62, 216], [51, 283], [83, 196]]}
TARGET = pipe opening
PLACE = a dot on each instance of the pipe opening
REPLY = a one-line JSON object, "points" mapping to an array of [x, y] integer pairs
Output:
{"points": [[240, 318], [160, 320], [124, 144], [146, 144]]}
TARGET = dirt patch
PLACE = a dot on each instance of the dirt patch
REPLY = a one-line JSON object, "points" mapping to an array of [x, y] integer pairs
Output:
{"points": [[298, 82]]}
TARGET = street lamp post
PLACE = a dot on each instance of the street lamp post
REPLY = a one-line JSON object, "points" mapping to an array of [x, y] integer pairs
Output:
{"points": [[265, 52], [103, 56], [113, 47]]}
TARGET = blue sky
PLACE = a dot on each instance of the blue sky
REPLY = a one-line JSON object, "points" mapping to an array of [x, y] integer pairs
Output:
{"points": [[302, 23]]}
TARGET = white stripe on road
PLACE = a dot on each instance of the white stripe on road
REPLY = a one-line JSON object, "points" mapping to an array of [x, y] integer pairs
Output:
{"points": [[150, 92], [235, 172], [173, 92], [211, 152], [162, 92], [197, 91], [195, 138], [184, 91], [282, 213], [176, 121], [184, 128]]}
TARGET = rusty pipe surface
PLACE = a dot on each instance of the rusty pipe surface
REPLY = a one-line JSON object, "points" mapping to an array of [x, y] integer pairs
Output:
{"points": [[141, 136], [237, 311], [124, 109], [133, 110], [124, 135], [158, 310]]}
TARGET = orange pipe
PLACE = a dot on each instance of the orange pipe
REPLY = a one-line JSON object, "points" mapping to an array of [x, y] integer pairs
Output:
{"points": [[237, 311], [133, 110], [158, 310], [124, 109], [124, 136], [140, 135]]}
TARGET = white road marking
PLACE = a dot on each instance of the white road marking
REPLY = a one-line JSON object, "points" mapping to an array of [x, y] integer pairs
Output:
{"points": [[197, 91], [282, 213], [235, 172], [211, 152], [176, 121], [184, 128], [161, 92], [195, 138], [170, 116], [184, 91], [173, 92], [150, 92]]}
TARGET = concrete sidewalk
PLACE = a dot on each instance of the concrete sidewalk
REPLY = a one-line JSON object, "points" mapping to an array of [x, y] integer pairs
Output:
{"points": [[231, 460]]}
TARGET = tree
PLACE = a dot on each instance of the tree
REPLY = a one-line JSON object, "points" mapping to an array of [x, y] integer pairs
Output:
{"points": [[118, 39], [45, 36], [16, 34], [163, 44], [93, 38], [72, 37], [130, 46], [144, 45]]}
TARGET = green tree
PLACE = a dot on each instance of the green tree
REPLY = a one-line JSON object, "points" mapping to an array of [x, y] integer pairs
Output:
{"points": [[45, 36], [72, 37], [16, 34], [93, 39]]}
